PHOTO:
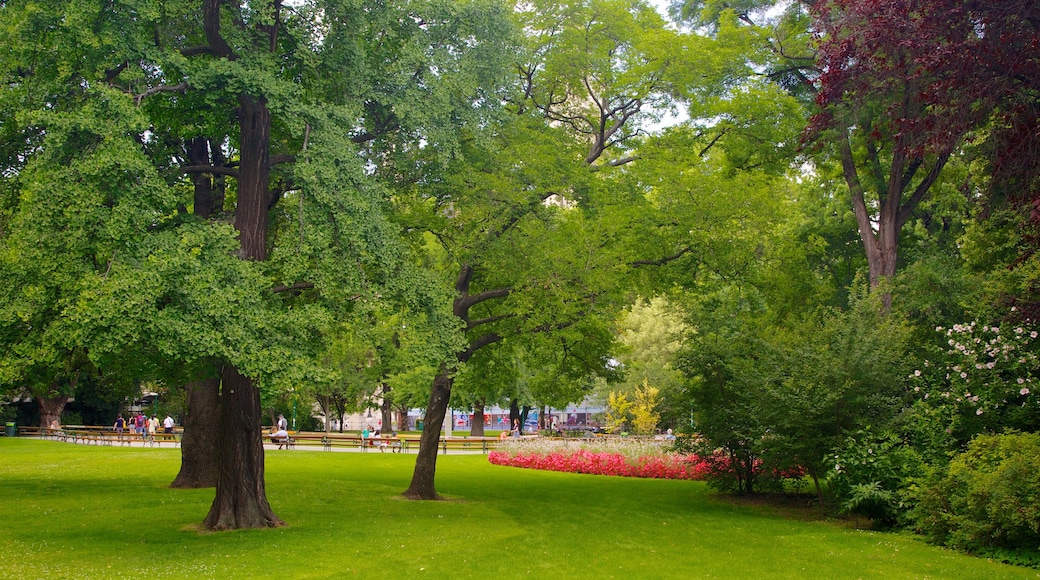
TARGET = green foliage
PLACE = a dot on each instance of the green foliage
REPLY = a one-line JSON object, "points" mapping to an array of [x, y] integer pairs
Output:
{"points": [[650, 336], [786, 394], [875, 475], [983, 379], [987, 500]]}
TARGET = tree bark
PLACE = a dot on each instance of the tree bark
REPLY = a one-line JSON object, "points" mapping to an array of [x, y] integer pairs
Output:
{"points": [[386, 410], [880, 235], [476, 429], [51, 408], [199, 442], [422, 486], [241, 500], [253, 177]]}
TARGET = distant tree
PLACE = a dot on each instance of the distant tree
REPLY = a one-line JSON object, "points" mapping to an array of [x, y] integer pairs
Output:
{"points": [[618, 408], [645, 413]]}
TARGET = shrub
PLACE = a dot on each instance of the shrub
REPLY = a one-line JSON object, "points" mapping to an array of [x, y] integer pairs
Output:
{"points": [[874, 476], [989, 498]]}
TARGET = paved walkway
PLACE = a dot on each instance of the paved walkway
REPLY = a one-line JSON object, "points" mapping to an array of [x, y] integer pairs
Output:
{"points": [[132, 441]]}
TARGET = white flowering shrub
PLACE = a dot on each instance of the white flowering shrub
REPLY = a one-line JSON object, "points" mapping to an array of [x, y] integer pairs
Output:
{"points": [[985, 379]]}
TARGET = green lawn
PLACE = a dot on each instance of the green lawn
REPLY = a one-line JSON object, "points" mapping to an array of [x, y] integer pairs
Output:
{"points": [[73, 511]]}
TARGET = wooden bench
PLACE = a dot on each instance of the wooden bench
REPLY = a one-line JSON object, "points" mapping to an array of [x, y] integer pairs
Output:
{"points": [[328, 441], [160, 437], [396, 444], [307, 439], [287, 441], [29, 432], [343, 440], [467, 443]]}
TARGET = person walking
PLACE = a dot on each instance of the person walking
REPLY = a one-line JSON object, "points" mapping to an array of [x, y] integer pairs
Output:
{"points": [[168, 424]]}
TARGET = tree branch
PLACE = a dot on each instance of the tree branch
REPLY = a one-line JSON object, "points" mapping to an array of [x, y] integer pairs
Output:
{"points": [[296, 286], [478, 344], [177, 88], [215, 170], [660, 261]]}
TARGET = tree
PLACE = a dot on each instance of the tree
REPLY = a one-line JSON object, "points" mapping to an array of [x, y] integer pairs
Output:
{"points": [[618, 409], [898, 97], [121, 90], [590, 72], [645, 415]]}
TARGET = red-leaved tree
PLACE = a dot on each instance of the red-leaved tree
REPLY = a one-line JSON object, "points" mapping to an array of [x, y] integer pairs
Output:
{"points": [[904, 82]]}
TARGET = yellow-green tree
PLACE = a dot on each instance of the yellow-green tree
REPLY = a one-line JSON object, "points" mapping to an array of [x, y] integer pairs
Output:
{"points": [[618, 407], [645, 415]]}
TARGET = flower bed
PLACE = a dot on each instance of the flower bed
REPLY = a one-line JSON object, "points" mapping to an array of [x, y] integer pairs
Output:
{"points": [[611, 457]]}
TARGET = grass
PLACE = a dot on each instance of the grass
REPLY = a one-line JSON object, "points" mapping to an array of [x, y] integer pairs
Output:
{"points": [[73, 511]]}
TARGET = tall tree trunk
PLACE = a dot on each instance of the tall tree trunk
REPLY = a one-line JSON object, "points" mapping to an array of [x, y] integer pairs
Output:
{"points": [[422, 486], [198, 154], [402, 418], [386, 410], [514, 414], [241, 500], [476, 429], [199, 442], [879, 227], [51, 408]]}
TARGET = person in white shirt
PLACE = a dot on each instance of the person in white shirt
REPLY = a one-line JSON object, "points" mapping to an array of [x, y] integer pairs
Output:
{"points": [[168, 424], [281, 437]]}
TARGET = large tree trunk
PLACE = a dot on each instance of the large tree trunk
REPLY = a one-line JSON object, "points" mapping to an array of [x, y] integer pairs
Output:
{"points": [[426, 463], [514, 415], [880, 226], [422, 486], [51, 409], [199, 442], [241, 500], [402, 418], [476, 429], [386, 410]]}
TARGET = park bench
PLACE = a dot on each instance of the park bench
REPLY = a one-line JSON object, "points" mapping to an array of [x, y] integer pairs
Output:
{"points": [[110, 437], [288, 441], [29, 431], [159, 437], [308, 439], [467, 443], [395, 444], [343, 440]]}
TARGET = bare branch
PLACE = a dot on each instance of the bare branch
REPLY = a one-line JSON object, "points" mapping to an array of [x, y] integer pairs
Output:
{"points": [[660, 261], [296, 286], [177, 88], [215, 170]]}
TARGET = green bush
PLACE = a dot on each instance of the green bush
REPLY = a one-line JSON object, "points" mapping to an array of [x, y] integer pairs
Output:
{"points": [[988, 499], [874, 475]]}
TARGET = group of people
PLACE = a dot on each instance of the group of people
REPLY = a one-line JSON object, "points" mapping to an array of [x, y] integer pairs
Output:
{"points": [[142, 425], [373, 438]]}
